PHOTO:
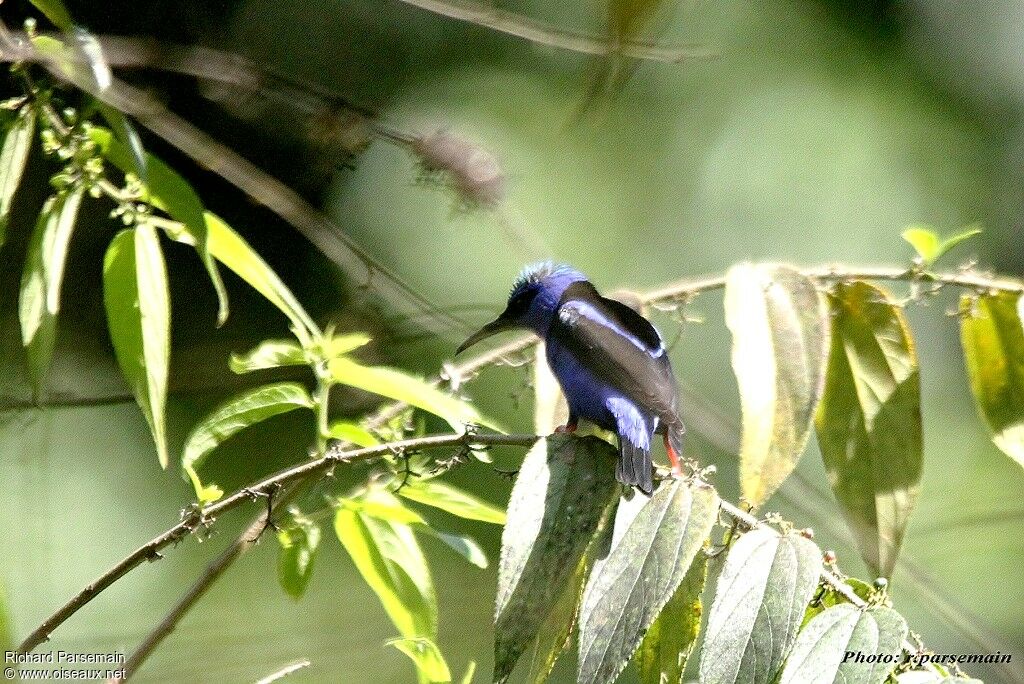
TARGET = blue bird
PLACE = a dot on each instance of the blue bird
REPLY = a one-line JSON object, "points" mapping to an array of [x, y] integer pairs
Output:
{"points": [[610, 361]]}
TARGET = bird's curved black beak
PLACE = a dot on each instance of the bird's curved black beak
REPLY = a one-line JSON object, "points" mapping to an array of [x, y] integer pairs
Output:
{"points": [[500, 324]]}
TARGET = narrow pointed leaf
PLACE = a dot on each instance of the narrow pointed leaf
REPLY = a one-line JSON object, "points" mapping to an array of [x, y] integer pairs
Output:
{"points": [[170, 192], [238, 413], [17, 145], [780, 331], [627, 590], [55, 11], [951, 242], [425, 654], [993, 341], [339, 345], [268, 354], [564, 490], [669, 642], [453, 500], [299, 546], [400, 386], [467, 678], [465, 546], [354, 433], [869, 421], [925, 242], [139, 318], [819, 655], [39, 300], [389, 558], [759, 603]]}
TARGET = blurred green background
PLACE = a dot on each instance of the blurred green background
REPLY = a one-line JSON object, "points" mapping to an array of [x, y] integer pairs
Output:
{"points": [[815, 132]]}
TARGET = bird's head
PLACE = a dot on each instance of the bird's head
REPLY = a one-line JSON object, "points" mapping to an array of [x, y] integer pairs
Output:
{"points": [[532, 302]]}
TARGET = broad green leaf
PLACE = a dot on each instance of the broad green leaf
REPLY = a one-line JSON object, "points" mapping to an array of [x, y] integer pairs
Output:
{"points": [[553, 634], [170, 192], [390, 560], [869, 421], [993, 342], [409, 389], [17, 145], [229, 248], [667, 645], [39, 301], [925, 242], [780, 332], [647, 563], [821, 654], [456, 501], [139, 318], [299, 546], [55, 11], [565, 489], [425, 654], [759, 603], [354, 433], [268, 354], [932, 677], [467, 547], [238, 413]]}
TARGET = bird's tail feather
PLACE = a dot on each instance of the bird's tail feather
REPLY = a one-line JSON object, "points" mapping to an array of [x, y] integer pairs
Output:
{"points": [[635, 467]]}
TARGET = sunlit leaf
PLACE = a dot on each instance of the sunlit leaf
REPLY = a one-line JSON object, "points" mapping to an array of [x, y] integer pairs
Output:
{"points": [[830, 597], [467, 678], [299, 545], [993, 342], [565, 489], [759, 604], [39, 300], [467, 547], [647, 563], [389, 558], [821, 654], [170, 192], [400, 386], [925, 242], [666, 647], [386, 506], [426, 656], [453, 500], [55, 11], [339, 345], [238, 413], [354, 433], [139, 318], [780, 333], [869, 421], [17, 145], [268, 354]]}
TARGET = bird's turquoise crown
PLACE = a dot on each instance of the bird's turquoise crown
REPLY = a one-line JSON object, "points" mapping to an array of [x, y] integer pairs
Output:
{"points": [[534, 274]]}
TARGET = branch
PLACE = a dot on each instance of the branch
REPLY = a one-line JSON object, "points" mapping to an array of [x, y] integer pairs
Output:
{"points": [[204, 518]]}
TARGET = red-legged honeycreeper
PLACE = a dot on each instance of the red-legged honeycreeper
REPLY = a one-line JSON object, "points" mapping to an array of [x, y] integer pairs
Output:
{"points": [[610, 361]]}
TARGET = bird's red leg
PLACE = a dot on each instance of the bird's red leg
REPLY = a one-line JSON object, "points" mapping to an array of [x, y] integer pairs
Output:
{"points": [[677, 466], [568, 427]]}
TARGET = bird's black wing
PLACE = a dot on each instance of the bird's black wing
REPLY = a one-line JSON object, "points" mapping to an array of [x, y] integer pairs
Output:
{"points": [[619, 346]]}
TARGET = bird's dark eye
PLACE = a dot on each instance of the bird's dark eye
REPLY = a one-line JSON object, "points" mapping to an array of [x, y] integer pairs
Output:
{"points": [[521, 302]]}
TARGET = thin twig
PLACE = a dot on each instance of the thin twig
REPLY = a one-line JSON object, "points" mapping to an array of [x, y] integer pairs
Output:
{"points": [[207, 516]]}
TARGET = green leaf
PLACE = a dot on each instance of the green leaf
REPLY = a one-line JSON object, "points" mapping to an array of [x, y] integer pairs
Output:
{"points": [[170, 192], [869, 421], [470, 671], [425, 654], [925, 242], [667, 645], [268, 354], [467, 547], [299, 547], [17, 145], [821, 652], [565, 489], [647, 563], [354, 433], [55, 11], [386, 506], [453, 500], [39, 301], [339, 345], [139, 318], [238, 413], [759, 604], [830, 597], [993, 342], [780, 331], [409, 389], [390, 560]]}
